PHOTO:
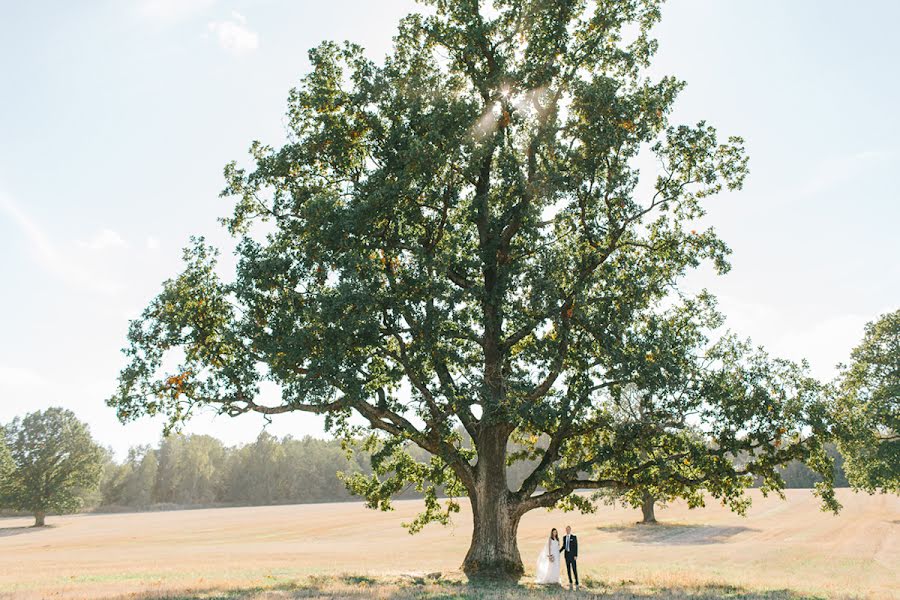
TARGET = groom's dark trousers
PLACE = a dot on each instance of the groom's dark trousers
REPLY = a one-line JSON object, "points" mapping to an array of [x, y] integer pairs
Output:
{"points": [[570, 547]]}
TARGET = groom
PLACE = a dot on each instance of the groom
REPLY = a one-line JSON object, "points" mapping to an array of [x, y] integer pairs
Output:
{"points": [[570, 547]]}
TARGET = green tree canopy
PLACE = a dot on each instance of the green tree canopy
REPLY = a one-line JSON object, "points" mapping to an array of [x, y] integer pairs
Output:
{"points": [[56, 462], [189, 469], [133, 482], [868, 408], [460, 237], [7, 468], [694, 418]]}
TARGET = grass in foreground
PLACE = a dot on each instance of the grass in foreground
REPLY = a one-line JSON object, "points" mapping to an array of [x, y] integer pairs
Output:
{"points": [[419, 588]]}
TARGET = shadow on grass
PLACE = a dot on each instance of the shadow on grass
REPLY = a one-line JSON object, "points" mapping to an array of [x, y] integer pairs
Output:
{"points": [[674, 534], [363, 588]]}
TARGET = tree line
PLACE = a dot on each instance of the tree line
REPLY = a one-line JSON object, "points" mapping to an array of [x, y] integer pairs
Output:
{"points": [[188, 470], [49, 463]]}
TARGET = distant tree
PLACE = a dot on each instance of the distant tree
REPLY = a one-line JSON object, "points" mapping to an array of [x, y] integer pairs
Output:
{"points": [[644, 498], [257, 473], [112, 482], [144, 481], [648, 497], [465, 221], [661, 396], [797, 475], [867, 405], [133, 482], [7, 469], [190, 469], [318, 462], [56, 461], [137, 489], [92, 496], [712, 419]]}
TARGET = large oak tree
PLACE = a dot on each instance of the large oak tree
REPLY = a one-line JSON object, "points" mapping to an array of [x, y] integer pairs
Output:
{"points": [[459, 237]]}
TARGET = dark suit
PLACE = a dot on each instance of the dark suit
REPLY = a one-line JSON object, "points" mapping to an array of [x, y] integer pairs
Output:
{"points": [[569, 545]]}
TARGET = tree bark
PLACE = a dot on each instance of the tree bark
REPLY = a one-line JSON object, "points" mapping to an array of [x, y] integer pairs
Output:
{"points": [[39, 518], [494, 552], [647, 508]]}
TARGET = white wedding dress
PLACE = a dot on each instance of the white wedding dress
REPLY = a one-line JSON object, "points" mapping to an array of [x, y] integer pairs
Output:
{"points": [[547, 569]]}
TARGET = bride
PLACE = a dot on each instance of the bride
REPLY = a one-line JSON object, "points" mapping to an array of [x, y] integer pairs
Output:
{"points": [[548, 560]]}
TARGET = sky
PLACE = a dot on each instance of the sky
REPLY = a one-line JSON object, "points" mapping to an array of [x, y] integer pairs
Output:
{"points": [[117, 117]]}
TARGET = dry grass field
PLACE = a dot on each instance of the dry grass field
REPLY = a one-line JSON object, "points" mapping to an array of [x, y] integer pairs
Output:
{"points": [[781, 550]]}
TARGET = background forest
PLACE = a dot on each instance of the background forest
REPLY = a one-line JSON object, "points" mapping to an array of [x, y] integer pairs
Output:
{"points": [[198, 470]]}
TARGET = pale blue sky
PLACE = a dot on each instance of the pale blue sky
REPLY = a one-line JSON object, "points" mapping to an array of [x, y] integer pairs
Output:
{"points": [[117, 116]]}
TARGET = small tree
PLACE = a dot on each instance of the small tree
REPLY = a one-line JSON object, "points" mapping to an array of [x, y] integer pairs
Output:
{"points": [[140, 490], [644, 498], [708, 419], [56, 461], [868, 408]]}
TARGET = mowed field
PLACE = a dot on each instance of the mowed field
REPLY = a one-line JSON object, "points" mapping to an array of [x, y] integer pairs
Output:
{"points": [[780, 545]]}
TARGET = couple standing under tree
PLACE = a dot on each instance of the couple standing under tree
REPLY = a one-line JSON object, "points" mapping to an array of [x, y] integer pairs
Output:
{"points": [[549, 558]]}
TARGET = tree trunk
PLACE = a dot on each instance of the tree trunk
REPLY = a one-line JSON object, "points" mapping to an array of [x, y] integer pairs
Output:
{"points": [[494, 552], [39, 518], [647, 503]]}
